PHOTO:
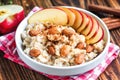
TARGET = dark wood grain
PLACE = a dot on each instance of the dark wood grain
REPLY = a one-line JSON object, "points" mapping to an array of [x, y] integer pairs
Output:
{"points": [[12, 71]]}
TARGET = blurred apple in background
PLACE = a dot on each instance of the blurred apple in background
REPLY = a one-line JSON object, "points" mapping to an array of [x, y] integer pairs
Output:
{"points": [[10, 17]]}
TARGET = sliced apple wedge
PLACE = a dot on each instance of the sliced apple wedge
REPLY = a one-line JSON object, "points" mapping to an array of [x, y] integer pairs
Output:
{"points": [[88, 29], [97, 37], [78, 20], [94, 28], [10, 17], [51, 15], [84, 24], [70, 14]]}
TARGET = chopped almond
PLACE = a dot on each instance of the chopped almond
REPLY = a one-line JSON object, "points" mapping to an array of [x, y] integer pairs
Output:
{"points": [[80, 45], [89, 48], [79, 59]]}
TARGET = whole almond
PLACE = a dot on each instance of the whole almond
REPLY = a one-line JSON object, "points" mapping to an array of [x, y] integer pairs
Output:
{"points": [[64, 51], [68, 32], [51, 50], [34, 52], [34, 32]]}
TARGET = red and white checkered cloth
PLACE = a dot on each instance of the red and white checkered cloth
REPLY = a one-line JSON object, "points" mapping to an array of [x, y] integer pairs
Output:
{"points": [[7, 45]]}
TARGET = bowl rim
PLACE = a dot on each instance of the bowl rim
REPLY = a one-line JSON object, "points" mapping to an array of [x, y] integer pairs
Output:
{"points": [[68, 67]]}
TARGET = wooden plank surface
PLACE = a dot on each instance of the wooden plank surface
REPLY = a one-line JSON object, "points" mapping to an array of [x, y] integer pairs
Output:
{"points": [[13, 71]]}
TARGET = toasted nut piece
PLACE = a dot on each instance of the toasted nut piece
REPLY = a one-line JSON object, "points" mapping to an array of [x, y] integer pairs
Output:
{"points": [[34, 32], [34, 52], [89, 48], [64, 51], [80, 45], [51, 50], [53, 30], [79, 58], [68, 32], [55, 37]]}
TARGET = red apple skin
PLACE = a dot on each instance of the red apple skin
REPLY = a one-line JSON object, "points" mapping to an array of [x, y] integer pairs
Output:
{"points": [[81, 18], [85, 22], [96, 32], [78, 19], [71, 16], [20, 16], [11, 23], [90, 26], [95, 25], [8, 25], [102, 35]]}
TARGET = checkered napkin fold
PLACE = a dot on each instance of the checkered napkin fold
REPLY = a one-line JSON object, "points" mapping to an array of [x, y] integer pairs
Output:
{"points": [[7, 45]]}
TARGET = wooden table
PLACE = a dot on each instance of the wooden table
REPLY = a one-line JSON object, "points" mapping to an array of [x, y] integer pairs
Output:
{"points": [[12, 71]]}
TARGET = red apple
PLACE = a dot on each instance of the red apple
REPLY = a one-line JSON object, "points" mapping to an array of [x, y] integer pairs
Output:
{"points": [[10, 17], [84, 23], [51, 15], [70, 14], [94, 28], [88, 29], [97, 37], [78, 19]]}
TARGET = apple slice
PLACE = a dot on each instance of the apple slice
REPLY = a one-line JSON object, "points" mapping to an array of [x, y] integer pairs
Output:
{"points": [[10, 17], [51, 15], [84, 24], [78, 20], [70, 14], [94, 28], [97, 37], [88, 29]]}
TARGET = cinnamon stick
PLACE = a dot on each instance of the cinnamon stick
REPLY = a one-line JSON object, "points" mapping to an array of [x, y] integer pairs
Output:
{"points": [[98, 8], [112, 23], [111, 20]]}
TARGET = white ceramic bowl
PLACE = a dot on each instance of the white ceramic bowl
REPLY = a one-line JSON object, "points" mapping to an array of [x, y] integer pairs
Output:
{"points": [[61, 71]]}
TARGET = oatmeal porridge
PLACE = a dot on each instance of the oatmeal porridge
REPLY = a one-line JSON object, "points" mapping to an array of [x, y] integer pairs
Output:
{"points": [[58, 45]]}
